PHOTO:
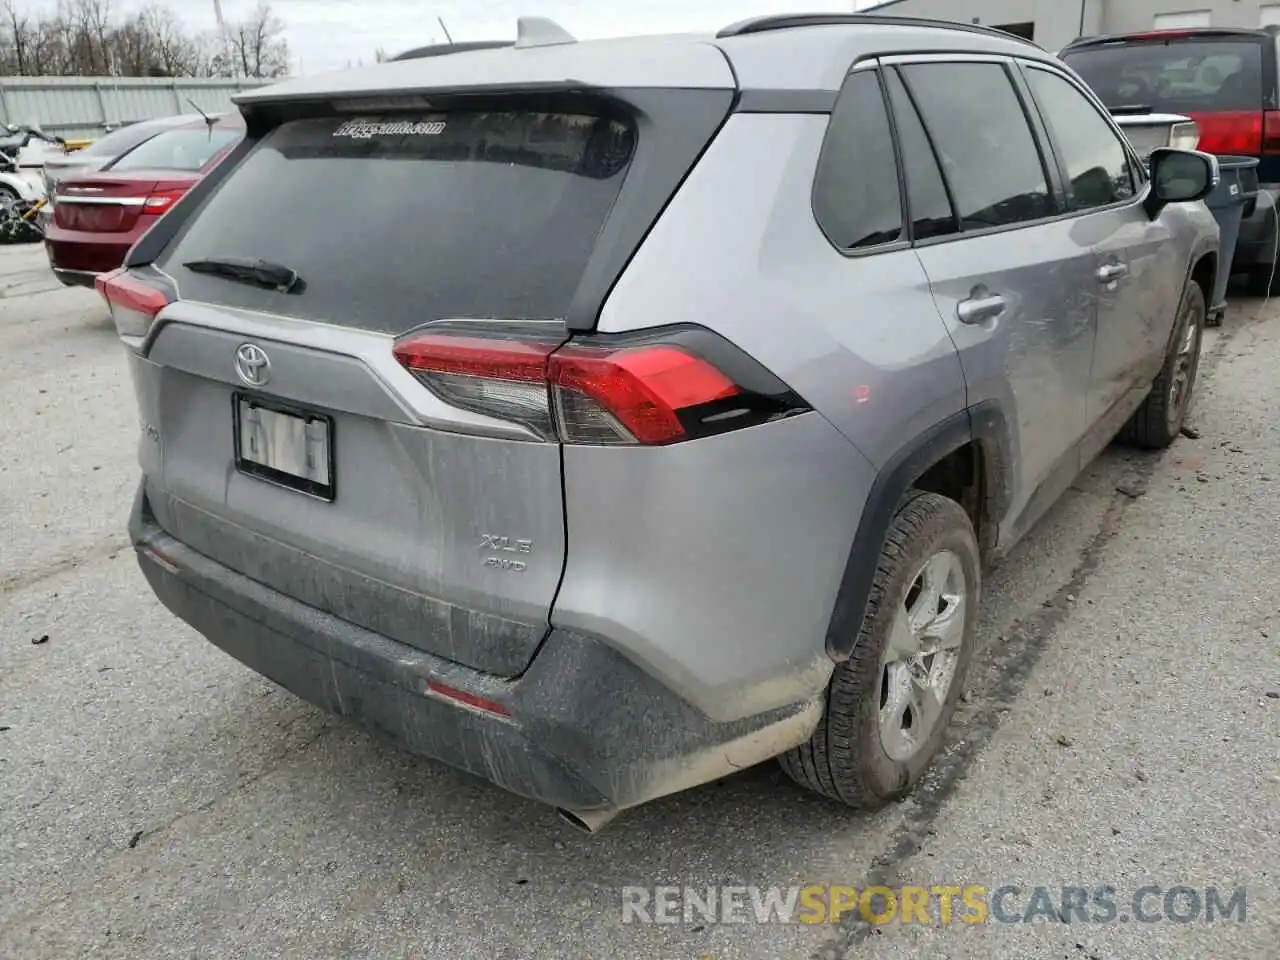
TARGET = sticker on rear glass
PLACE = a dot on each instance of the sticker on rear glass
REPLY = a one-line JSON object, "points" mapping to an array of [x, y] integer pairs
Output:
{"points": [[363, 128]]}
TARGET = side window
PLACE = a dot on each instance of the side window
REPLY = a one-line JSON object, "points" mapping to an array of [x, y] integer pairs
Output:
{"points": [[984, 142], [855, 195], [1094, 159], [927, 200]]}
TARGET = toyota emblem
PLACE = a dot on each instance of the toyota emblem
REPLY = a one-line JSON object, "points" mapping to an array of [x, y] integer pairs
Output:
{"points": [[252, 364]]}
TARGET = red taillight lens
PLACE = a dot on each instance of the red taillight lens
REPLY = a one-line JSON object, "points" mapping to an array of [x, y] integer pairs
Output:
{"points": [[160, 201], [649, 394], [632, 395], [506, 379], [133, 303], [1230, 133], [1271, 133]]}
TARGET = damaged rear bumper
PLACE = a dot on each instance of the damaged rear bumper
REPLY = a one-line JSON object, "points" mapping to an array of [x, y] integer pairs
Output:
{"points": [[584, 728]]}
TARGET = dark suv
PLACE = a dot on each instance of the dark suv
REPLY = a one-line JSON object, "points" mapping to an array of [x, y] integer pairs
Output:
{"points": [[1223, 78]]}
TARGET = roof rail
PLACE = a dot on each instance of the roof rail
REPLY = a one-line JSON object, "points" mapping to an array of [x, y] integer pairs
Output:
{"points": [[443, 49], [785, 21], [541, 32]]}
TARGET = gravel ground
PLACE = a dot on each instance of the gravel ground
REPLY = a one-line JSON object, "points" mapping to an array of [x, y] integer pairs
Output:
{"points": [[159, 800]]}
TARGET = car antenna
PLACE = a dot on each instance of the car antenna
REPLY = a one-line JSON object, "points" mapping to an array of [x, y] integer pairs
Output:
{"points": [[440, 20], [207, 119]]}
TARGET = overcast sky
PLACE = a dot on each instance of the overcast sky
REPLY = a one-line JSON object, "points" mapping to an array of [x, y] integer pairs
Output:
{"points": [[326, 34]]}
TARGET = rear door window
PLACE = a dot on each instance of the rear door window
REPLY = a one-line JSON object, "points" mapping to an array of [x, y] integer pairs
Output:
{"points": [[989, 155], [1174, 76], [931, 212], [392, 222]]}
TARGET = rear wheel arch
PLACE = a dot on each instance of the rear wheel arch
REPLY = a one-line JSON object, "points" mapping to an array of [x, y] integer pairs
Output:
{"points": [[966, 458]]}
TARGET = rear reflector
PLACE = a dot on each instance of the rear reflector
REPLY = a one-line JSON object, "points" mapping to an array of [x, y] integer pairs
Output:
{"points": [[649, 394], [133, 303], [468, 699], [1233, 133]]}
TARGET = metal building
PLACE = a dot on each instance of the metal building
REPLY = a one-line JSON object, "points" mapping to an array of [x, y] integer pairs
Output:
{"points": [[1055, 23], [77, 107]]}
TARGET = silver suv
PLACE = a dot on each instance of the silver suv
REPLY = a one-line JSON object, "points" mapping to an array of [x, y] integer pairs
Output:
{"points": [[602, 418]]}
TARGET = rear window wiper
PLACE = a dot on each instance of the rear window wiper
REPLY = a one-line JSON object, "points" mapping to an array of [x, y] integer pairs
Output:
{"points": [[250, 270]]}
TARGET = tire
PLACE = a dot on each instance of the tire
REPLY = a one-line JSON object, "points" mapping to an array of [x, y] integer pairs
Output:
{"points": [[1158, 422], [8, 195], [851, 757]]}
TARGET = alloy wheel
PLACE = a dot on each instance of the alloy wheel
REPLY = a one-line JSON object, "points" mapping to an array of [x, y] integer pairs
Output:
{"points": [[920, 659]]}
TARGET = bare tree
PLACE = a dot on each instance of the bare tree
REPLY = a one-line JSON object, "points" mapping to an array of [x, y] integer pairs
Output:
{"points": [[258, 46], [85, 38], [22, 37]]}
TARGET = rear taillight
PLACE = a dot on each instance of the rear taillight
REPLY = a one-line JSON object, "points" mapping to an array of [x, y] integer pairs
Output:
{"points": [[160, 201], [132, 302], [1231, 133], [1271, 133], [650, 393]]}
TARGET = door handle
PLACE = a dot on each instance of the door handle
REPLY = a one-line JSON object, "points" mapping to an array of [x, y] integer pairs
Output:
{"points": [[981, 308], [1112, 272]]}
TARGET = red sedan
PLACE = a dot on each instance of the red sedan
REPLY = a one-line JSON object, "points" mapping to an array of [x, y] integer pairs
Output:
{"points": [[97, 217]]}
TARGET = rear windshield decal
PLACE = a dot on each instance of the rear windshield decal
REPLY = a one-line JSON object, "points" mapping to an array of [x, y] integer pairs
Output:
{"points": [[363, 128]]}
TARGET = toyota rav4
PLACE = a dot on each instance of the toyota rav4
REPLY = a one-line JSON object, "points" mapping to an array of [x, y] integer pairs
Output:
{"points": [[602, 418]]}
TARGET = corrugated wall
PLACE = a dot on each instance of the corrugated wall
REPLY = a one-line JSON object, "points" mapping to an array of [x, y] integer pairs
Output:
{"points": [[86, 107]]}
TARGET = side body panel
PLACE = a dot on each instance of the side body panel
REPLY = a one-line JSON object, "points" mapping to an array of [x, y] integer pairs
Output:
{"points": [[738, 590]]}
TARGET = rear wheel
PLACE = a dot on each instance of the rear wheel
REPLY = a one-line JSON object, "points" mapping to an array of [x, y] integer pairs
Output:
{"points": [[888, 706], [1157, 423]]}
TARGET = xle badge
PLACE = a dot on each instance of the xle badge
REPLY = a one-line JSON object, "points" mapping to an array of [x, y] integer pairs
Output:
{"points": [[501, 549]]}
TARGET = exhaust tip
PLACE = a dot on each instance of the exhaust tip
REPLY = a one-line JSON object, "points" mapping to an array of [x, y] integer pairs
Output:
{"points": [[587, 821]]}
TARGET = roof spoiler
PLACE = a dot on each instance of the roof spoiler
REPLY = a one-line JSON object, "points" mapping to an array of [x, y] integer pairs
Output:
{"points": [[443, 49]]}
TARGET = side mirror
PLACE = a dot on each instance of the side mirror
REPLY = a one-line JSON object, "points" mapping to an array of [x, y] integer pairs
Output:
{"points": [[1181, 176]]}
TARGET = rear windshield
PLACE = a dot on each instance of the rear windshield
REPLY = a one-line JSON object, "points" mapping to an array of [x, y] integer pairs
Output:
{"points": [[393, 222], [1174, 76], [187, 149], [118, 141]]}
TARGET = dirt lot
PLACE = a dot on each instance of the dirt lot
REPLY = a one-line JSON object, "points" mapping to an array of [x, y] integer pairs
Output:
{"points": [[159, 800]]}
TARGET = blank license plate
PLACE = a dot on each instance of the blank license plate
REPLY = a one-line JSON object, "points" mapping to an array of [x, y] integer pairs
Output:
{"points": [[289, 448]]}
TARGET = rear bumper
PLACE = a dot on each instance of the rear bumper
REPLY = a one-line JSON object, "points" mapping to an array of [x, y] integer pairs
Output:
{"points": [[589, 731], [80, 252]]}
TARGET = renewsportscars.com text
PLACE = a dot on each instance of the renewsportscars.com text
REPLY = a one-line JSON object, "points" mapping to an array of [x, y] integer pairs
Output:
{"points": [[937, 904]]}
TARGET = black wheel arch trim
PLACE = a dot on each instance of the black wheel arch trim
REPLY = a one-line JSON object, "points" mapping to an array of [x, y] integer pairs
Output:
{"points": [[986, 425], [1199, 253]]}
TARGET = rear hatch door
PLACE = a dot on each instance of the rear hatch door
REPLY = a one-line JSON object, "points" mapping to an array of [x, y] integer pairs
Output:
{"points": [[1224, 80], [436, 526]]}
